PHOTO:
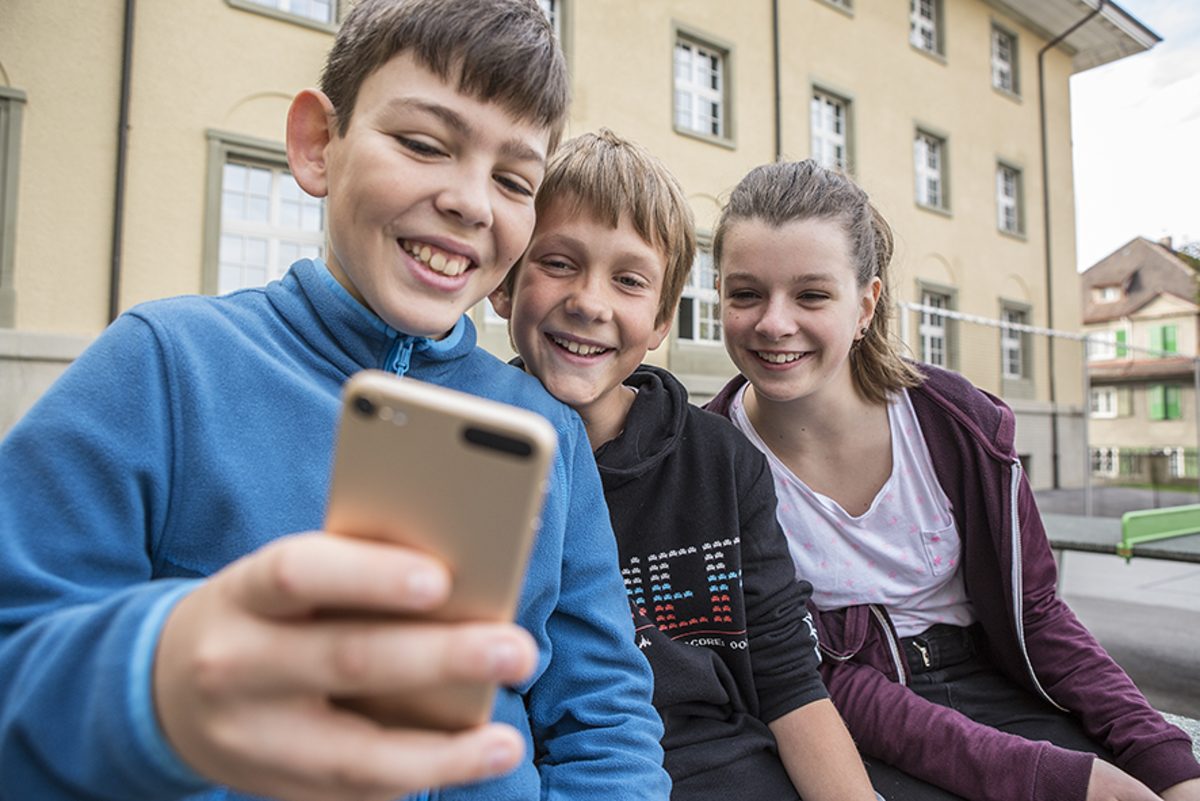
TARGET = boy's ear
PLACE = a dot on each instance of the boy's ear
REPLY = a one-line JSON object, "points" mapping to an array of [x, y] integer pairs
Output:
{"points": [[501, 302], [310, 129], [660, 332]]}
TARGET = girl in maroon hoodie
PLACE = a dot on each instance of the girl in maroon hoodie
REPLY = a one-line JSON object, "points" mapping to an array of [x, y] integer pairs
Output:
{"points": [[958, 670]]}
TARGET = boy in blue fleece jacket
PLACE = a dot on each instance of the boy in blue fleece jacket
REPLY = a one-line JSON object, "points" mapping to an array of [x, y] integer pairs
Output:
{"points": [[162, 634]]}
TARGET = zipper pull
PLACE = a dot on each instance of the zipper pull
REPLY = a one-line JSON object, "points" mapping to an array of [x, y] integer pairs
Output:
{"points": [[924, 653], [400, 355]]}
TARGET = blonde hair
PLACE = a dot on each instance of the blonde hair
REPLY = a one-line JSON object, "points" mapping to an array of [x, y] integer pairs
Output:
{"points": [[609, 176], [500, 51], [776, 194]]}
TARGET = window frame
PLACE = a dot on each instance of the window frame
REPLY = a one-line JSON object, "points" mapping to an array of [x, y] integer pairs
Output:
{"points": [[826, 96], [223, 147], [684, 35], [1111, 406], [937, 48], [697, 295], [292, 17], [1022, 339], [12, 110], [1001, 32], [1017, 202], [949, 325], [924, 137]]}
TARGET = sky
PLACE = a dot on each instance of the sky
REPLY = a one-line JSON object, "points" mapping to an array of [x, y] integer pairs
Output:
{"points": [[1136, 130]]}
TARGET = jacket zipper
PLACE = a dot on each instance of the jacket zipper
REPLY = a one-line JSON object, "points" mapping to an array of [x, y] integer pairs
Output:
{"points": [[400, 355], [1018, 581], [893, 645]]}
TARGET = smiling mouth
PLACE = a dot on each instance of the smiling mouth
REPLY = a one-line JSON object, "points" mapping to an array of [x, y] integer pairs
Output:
{"points": [[779, 358], [441, 262], [578, 348]]}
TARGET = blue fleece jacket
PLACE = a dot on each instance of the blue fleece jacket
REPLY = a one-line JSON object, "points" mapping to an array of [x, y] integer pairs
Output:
{"points": [[195, 430]]}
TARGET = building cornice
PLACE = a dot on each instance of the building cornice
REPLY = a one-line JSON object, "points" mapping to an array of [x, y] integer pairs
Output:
{"points": [[1113, 35]]}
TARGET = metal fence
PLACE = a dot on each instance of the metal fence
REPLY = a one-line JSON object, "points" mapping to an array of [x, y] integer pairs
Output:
{"points": [[1091, 412]]}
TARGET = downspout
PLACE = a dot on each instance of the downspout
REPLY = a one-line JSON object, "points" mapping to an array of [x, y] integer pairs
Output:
{"points": [[114, 280], [778, 91], [1046, 226]]}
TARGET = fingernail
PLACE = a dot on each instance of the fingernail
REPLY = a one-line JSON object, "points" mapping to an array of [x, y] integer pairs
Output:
{"points": [[503, 657], [425, 587], [500, 757]]}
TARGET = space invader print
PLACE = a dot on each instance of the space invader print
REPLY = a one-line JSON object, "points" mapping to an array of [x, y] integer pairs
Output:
{"points": [[691, 591]]}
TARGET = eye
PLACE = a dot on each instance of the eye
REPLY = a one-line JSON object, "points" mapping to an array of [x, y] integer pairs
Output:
{"points": [[632, 282], [420, 148], [514, 186], [552, 264], [813, 297]]}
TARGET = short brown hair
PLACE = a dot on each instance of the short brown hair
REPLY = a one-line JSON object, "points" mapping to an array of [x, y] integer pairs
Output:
{"points": [[784, 192], [501, 51], [607, 175]]}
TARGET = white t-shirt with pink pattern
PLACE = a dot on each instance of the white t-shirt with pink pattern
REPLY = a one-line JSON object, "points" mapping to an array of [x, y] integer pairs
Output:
{"points": [[903, 553]]}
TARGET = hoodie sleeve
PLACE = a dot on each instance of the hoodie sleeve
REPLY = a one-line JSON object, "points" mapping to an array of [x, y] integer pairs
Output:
{"points": [[591, 711], [82, 488], [1071, 665], [783, 641]]}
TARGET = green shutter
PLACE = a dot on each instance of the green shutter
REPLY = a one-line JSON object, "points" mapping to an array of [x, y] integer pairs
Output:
{"points": [[1156, 396], [1121, 341], [1124, 402], [1170, 332], [1171, 402]]}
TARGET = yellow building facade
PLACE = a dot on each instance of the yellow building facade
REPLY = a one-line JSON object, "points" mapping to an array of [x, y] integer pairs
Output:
{"points": [[935, 106]]}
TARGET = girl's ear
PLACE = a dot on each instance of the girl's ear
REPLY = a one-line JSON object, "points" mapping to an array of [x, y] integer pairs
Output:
{"points": [[870, 300], [310, 130]]}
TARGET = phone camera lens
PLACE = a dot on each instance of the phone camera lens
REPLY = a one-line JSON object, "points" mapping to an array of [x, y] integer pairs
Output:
{"points": [[364, 405]]}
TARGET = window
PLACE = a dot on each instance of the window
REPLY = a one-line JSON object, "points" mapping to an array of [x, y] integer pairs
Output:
{"points": [[1104, 402], [1163, 338], [933, 330], [319, 14], [699, 311], [1106, 461], [1004, 60], [829, 131], [1164, 401], [12, 107], [1012, 355], [1104, 346], [923, 25], [929, 169], [699, 88], [1008, 199], [1106, 294], [258, 220], [551, 9]]}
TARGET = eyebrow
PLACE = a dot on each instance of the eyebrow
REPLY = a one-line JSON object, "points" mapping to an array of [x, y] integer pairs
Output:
{"points": [[511, 148]]}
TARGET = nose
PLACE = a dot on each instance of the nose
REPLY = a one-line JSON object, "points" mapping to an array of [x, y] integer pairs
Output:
{"points": [[467, 196], [588, 300], [777, 321]]}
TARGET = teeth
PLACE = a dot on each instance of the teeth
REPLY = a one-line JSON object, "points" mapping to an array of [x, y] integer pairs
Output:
{"points": [[579, 349], [441, 263], [778, 358]]}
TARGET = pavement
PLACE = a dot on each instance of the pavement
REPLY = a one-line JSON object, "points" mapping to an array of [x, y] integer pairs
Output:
{"points": [[1145, 612]]}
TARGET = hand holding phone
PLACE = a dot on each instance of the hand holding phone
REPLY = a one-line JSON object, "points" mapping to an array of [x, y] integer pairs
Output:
{"points": [[453, 475]]}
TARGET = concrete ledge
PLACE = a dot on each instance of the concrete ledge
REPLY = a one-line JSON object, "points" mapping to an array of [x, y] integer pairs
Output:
{"points": [[38, 347], [1192, 727]]}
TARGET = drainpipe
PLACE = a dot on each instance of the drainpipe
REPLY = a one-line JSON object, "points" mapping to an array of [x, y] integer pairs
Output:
{"points": [[1046, 225], [114, 281], [778, 91]]}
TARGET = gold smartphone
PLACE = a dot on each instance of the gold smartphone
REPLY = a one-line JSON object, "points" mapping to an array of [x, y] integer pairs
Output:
{"points": [[457, 476]]}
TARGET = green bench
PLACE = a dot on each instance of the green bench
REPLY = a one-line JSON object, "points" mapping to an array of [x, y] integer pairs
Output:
{"points": [[1152, 525]]}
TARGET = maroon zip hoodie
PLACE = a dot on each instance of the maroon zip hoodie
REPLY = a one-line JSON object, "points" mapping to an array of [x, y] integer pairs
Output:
{"points": [[1031, 635]]}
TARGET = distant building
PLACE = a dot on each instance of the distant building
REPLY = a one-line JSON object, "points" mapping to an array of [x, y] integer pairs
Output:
{"points": [[1140, 307], [933, 105]]}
